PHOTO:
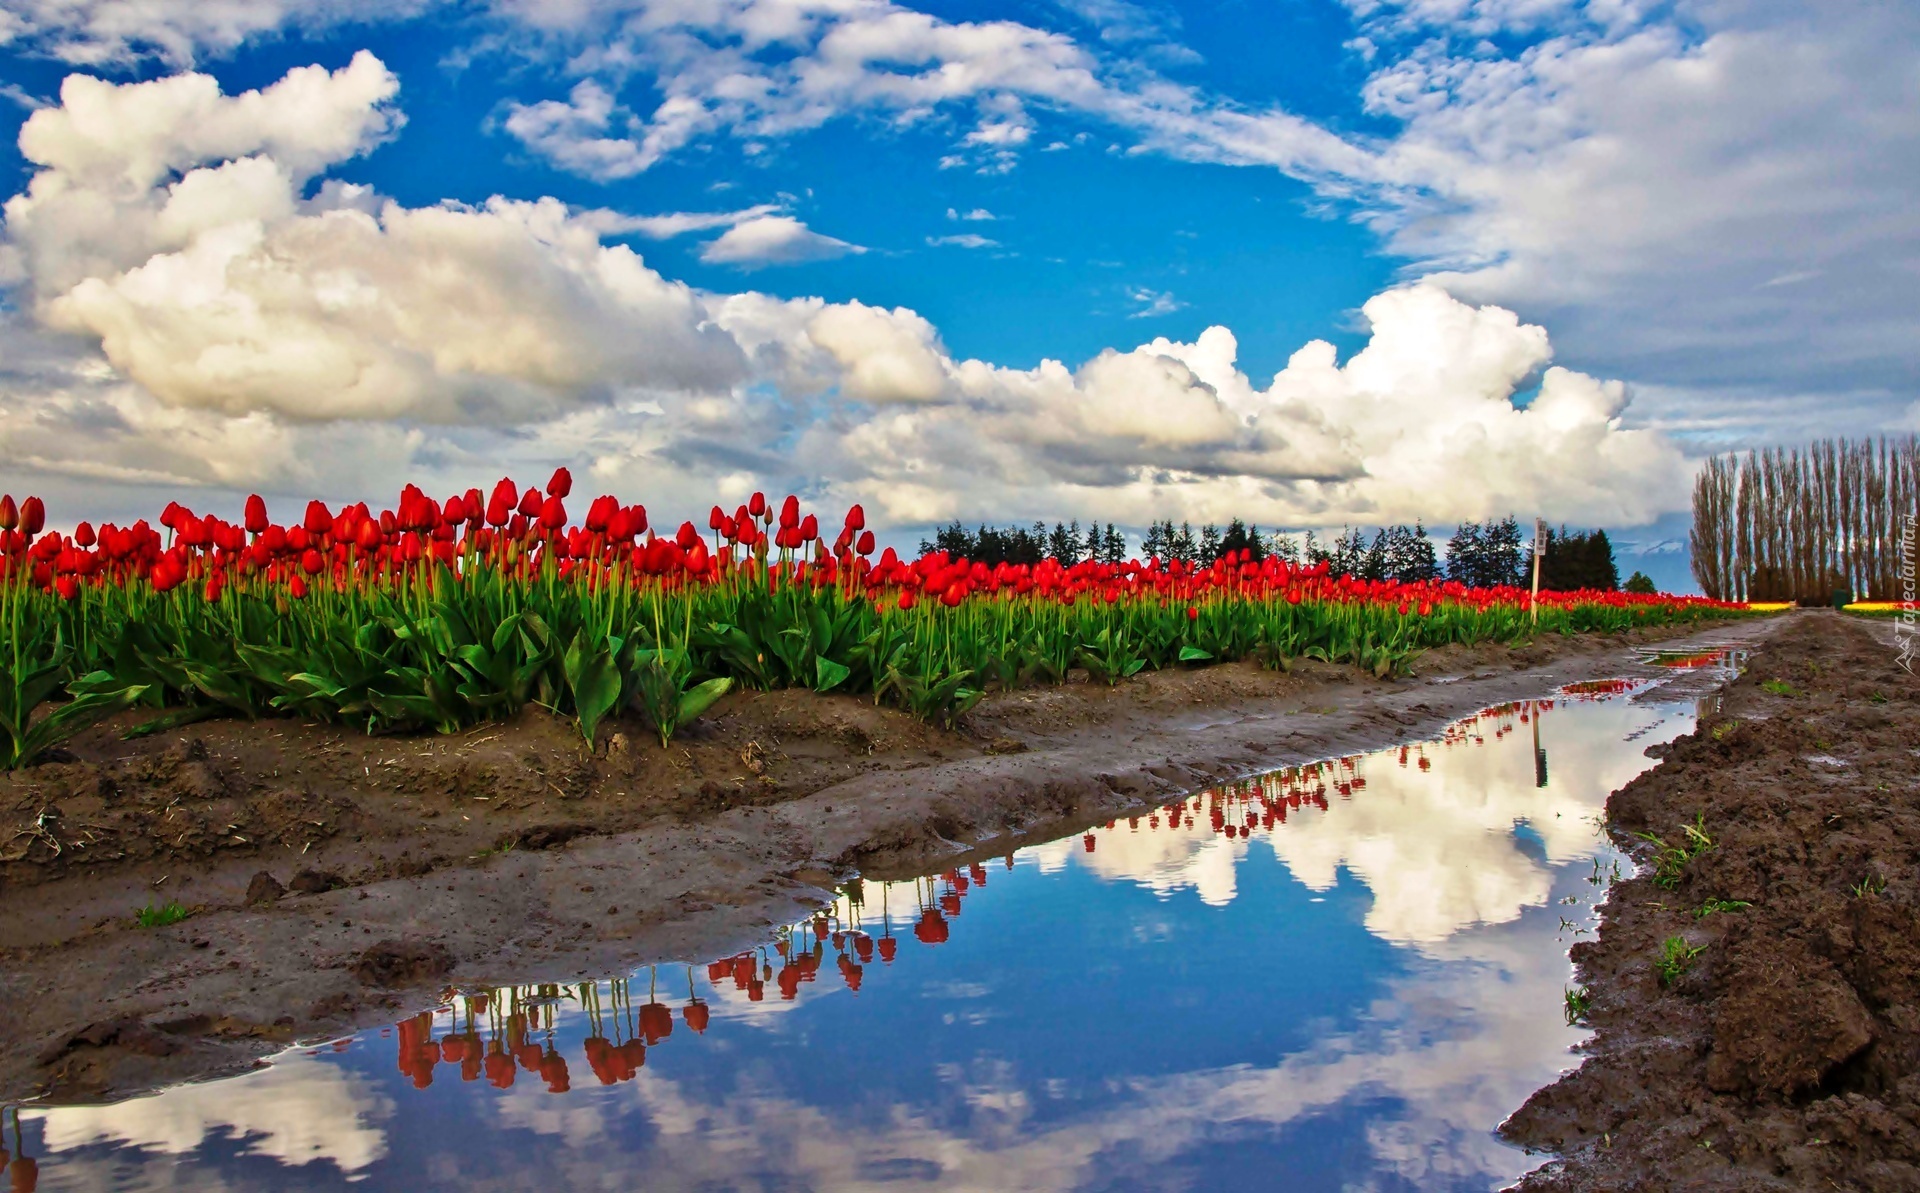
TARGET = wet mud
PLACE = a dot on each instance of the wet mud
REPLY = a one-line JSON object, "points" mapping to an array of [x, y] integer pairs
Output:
{"points": [[331, 880], [1756, 998]]}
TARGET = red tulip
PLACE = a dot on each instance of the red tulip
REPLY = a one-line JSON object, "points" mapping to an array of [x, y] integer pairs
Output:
{"points": [[856, 518], [790, 512], [561, 483], [530, 503], [756, 506], [865, 543], [256, 514], [83, 534], [687, 536], [33, 516], [67, 587], [10, 513], [318, 520], [553, 514]]}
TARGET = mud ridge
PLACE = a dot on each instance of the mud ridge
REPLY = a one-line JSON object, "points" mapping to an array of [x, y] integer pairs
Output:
{"points": [[1780, 1046]]}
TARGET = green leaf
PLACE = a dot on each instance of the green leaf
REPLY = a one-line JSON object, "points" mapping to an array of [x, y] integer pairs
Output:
{"points": [[701, 698], [1193, 654], [828, 674]]}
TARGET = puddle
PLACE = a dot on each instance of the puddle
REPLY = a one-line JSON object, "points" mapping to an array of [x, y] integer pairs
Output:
{"points": [[1337, 976]]}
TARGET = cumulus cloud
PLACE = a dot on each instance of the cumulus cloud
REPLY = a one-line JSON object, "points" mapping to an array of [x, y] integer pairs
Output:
{"points": [[224, 289], [1711, 196], [232, 305], [773, 240]]}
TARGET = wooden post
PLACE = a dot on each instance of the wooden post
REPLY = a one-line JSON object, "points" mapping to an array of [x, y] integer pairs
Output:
{"points": [[1539, 532]]}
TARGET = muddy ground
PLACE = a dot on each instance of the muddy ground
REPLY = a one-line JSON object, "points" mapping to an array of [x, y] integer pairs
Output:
{"points": [[1782, 1050], [395, 865]]}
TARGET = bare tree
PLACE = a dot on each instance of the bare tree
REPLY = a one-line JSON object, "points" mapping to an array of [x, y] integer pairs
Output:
{"points": [[1796, 524]]}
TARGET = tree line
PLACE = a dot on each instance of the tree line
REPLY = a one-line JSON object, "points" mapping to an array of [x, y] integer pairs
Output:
{"points": [[1799, 524], [1481, 555]]}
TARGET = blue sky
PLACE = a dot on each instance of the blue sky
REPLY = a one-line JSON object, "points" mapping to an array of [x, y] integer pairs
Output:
{"points": [[1557, 250]]}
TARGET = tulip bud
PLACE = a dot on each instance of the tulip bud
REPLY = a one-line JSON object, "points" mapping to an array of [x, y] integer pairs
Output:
{"points": [[256, 514], [790, 511], [864, 545], [9, 513], [809, 528], [756, 505], [530, 503], [716, 519], [83, 534], [33, 516], [687, 537], [560, 484], [856, 518], [501, 505], [553, 514], [318, 520]]}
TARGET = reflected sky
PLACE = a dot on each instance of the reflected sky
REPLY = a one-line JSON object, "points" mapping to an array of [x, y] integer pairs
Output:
{"points": [[1340, 976]]}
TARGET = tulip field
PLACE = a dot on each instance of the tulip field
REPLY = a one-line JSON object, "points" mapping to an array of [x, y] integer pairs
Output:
{"points": [[440, 615]]}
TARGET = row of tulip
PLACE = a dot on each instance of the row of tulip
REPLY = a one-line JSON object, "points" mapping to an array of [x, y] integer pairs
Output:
{"points": [[443, 614]]}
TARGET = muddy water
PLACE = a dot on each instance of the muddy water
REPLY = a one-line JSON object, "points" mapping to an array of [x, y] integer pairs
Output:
{"points": [[1334, 977]]}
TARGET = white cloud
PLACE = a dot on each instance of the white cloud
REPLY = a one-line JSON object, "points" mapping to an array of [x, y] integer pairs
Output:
{"points": [[223, 289], [678, 223], [118, 32], [1153, 302], [773, 240], [226, 331], [965, 240], [1715, 198], [978, 213], [769, 68]]}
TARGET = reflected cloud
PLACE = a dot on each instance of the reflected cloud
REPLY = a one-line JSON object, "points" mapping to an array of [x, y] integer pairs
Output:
{"points": [[299, 1111]]}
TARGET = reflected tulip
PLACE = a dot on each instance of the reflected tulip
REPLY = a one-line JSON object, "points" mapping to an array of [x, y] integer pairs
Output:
{"points": [[696, 1014], [656, 1021], [889, 948]]}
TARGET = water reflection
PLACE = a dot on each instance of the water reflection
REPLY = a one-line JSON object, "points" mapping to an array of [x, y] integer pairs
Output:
{"points": [[1339, 975]]}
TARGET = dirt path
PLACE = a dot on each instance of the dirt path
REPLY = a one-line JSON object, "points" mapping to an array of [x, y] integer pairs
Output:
{"points": [[1783, 1049], [394, 848]]}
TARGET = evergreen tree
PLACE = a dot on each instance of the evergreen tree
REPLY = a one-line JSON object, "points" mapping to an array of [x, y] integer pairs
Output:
{"points": [[1113, 547], [1314, 554], [1286, 547], [1464, 555], [1059, 545], [1505, 559], [1415, 562], [1092, 548], [1076, 549], [1349, 554], [1603, 572], [1641, 583], [1209, 544], [1377, 563], [1237, 537]]}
